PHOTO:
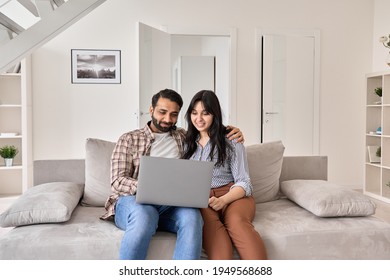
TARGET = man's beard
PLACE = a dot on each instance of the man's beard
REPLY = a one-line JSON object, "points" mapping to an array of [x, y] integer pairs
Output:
{"points": [[162, 128]]}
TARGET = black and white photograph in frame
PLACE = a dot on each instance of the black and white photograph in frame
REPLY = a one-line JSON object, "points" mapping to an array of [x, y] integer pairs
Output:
{"points": [[96, 66]]}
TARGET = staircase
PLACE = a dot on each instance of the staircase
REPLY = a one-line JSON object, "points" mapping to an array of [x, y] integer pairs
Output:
{"points": [[25, 25]]}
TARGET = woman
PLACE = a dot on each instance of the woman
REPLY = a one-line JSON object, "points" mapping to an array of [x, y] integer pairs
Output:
{"points": [[228, 219]]}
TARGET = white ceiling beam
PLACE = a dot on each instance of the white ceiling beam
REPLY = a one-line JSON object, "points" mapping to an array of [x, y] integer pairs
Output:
{"points": [[44, 30], [5, 35], [10, 24], [30, 6], [44, 7], [58, 2]]}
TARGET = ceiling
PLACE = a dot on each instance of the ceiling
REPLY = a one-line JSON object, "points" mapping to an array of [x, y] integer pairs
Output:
{"points": [[27, 24], [19, 15]]}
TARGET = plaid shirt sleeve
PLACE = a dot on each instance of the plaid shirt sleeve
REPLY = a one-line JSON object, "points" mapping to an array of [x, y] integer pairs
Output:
{"points": [[122, 169]]}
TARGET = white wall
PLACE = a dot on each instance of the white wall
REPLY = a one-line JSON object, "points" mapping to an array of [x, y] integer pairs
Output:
{"points": [[381, 28], [66, 114]]}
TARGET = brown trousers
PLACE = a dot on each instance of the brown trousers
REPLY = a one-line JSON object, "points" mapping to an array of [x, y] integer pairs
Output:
{"points": [[232, 226]]}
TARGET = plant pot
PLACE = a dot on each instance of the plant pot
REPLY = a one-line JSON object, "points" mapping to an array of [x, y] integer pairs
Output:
{"points": [[8, 161]]}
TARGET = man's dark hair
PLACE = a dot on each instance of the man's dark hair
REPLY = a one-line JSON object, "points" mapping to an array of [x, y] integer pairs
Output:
{"points": [[169, 94]]}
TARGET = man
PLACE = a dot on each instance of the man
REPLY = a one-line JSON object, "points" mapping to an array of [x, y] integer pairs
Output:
{"points": [[161, 138]]}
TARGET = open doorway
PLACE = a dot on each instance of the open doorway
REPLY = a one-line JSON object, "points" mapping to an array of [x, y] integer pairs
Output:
{"points": [[170, 59]]}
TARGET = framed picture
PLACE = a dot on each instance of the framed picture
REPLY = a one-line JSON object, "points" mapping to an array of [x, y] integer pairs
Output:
{"points": [[373, 154], [96, 66]]}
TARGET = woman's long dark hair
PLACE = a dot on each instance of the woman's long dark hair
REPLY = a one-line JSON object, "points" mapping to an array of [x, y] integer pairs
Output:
{"points": [[216, 132]]}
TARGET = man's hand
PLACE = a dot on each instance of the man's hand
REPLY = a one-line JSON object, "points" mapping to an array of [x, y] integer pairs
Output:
{"points": [[235, 134]]}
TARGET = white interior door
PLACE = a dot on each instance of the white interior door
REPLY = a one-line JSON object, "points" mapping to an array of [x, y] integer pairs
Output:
{"points": [[194, 73], [154, 67], [290, 109]]}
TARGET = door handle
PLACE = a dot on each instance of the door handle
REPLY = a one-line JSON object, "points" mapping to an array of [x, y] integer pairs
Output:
{"points": [[271, 113]]}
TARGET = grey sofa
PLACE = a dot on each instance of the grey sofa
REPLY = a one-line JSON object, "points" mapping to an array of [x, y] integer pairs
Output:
{"points": [[290, 231]]}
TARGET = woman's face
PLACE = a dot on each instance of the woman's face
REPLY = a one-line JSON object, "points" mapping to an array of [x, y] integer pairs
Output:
{"points": [[200, 118]]}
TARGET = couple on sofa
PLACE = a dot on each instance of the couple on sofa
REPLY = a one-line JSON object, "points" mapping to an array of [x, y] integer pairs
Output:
{"points": [[228, 219]]}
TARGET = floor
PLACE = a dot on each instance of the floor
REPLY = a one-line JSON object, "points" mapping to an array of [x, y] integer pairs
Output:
{"points": [[382, 210], [5, 202]]}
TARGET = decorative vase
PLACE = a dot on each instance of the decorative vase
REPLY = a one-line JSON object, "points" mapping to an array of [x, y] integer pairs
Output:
{"points": [[8, 161]]}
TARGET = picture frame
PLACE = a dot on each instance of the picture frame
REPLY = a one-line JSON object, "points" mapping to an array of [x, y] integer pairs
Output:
{"points": [[91, 66], [373, 158]]}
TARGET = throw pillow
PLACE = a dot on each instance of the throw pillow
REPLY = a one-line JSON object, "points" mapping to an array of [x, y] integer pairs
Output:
{"points": [[265, 165], [97, 172], [325, 199], [46, 203]]}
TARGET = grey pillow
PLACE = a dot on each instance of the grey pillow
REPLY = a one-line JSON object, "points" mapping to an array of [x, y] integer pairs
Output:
{"points": [[265, 165], [46, 203], [325, 199], [97, 172]]}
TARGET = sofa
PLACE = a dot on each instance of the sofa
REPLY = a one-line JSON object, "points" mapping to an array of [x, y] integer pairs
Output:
{"points": [[299, 214]]}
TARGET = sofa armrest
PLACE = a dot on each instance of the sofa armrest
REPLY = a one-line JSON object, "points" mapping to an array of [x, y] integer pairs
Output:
{"points": [[66, 170], [304, 167]]}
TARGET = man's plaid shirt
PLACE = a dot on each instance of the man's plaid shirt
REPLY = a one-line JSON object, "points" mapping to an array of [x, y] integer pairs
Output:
{"points": [[125, 162]]}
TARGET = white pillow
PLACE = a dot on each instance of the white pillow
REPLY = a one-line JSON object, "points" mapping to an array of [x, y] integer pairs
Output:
{"points": [[265, 165], [97, 172], [325, 199], [46, 203]]}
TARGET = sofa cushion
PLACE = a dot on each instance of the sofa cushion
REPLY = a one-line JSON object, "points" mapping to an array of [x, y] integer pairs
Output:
{"points": [[325, 199], [45, 203], [265, 165], [97, 172]]}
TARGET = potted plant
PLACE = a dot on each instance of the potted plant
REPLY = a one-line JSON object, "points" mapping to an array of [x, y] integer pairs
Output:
{"points": [[378, 91], [8, 153], [379, 152]]}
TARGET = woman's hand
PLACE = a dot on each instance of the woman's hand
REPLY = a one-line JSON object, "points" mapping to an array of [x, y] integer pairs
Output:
{"points": [[217, 203], [235, 134]]}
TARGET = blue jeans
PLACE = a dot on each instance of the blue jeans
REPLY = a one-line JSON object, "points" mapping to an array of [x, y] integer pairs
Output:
{"points": [[140, 222]]}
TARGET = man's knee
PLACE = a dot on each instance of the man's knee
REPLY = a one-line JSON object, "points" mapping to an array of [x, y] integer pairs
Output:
{"points": [[190, 217]]}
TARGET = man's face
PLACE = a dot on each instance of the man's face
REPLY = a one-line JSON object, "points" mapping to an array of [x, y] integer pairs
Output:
{"points": [[164, 115]]}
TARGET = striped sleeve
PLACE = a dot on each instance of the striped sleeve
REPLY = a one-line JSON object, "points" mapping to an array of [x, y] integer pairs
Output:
{"points": [[239, 168]]}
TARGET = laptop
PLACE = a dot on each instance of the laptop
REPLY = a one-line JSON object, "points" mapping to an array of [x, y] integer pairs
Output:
{"points": [[174, 182]]}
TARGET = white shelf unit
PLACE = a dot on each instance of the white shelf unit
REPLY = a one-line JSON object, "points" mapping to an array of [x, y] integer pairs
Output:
{"points": [[15, 117], [377, 174]]}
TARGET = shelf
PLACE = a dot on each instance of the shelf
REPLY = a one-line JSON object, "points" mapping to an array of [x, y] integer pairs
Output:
{"points": [[377, 175], [15, 129], [9, 197], [10, 75], [11, 137], [373, 164], [15, 167], [10, 106], [378, 197]]}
